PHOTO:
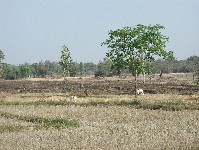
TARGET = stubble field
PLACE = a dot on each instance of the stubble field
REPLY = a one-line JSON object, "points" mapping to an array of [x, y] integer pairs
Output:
{"points": [[50, 120]]}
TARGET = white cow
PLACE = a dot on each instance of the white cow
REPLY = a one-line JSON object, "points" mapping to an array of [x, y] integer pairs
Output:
{"points": [[140, 92], [73, 98]]}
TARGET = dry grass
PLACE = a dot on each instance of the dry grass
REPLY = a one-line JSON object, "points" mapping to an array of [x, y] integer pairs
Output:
{"points": [[112, 126], [30, 97]]}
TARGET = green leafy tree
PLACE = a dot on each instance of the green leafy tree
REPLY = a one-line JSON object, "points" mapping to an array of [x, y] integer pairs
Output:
{"points": [[9, 72], [1, 56], [196, 81], [40, 69], [193, 63], [55, 68], [104, 68], [90, 68], [25, 70], [81, 68], [183, 66], [132, 47], [66, 60], [74, 69]]}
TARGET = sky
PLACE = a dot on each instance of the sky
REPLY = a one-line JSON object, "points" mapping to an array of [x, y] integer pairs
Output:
{"points": [[35, 30]]}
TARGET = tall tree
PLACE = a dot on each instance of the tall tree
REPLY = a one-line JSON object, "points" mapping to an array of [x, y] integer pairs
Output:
{"points": [[66, 60], [104, 68], [132, 47], [81, 68], [90, 68], [74, 69], [1, 56], [9, 72], [25, 70], [193, 62], [40, 69]]}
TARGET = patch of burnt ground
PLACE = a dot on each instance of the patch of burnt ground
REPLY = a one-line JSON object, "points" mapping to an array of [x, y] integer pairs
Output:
{"points": [[95, 87]]}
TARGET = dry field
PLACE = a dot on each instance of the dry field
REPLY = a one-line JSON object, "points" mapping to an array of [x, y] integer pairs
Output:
{"points": [[33, 119], [152, 121]]}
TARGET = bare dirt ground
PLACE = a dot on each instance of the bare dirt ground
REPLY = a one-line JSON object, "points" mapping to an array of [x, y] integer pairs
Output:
{"points": [[169, 84]]}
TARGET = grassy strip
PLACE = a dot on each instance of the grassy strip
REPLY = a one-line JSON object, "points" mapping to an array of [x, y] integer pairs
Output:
{"points": [[169, 106], [5, 103], [11, 128], [55, 103], [57, 123]]}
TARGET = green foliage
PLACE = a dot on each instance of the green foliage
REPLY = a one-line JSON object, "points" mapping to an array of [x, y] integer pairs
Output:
{"points": [[196, 81], [40, 69], [81, 68], [1, 56], [104, 68], [131, 47], [165, 66], [43, 122], [9, 72], [66, 60], [74, 68], [90, 68], [25, 70], [193, 63]]}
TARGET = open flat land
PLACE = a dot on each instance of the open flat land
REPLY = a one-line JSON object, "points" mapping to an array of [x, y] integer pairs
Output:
{"points": [[39, 114]]}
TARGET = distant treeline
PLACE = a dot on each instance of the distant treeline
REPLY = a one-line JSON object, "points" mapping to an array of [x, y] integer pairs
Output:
{"points": [[103, 68]]}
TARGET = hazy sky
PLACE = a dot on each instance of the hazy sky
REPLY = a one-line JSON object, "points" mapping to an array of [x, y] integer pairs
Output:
{"points": [[35, 30]]}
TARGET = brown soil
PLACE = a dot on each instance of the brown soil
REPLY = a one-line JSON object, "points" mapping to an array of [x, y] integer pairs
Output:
{"points": [[96, 86]]}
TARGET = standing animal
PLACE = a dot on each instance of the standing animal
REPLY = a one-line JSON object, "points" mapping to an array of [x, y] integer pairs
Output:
{"points": [[140, 92], [73, 98]]}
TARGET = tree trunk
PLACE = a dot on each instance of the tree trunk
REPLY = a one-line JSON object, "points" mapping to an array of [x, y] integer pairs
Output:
{"points": [[143, 71], [144, 77], [135, 82], [150, 80]]}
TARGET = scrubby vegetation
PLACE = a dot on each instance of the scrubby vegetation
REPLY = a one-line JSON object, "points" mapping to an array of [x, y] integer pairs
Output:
{"points": [[43, 122], [103, 68]]}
